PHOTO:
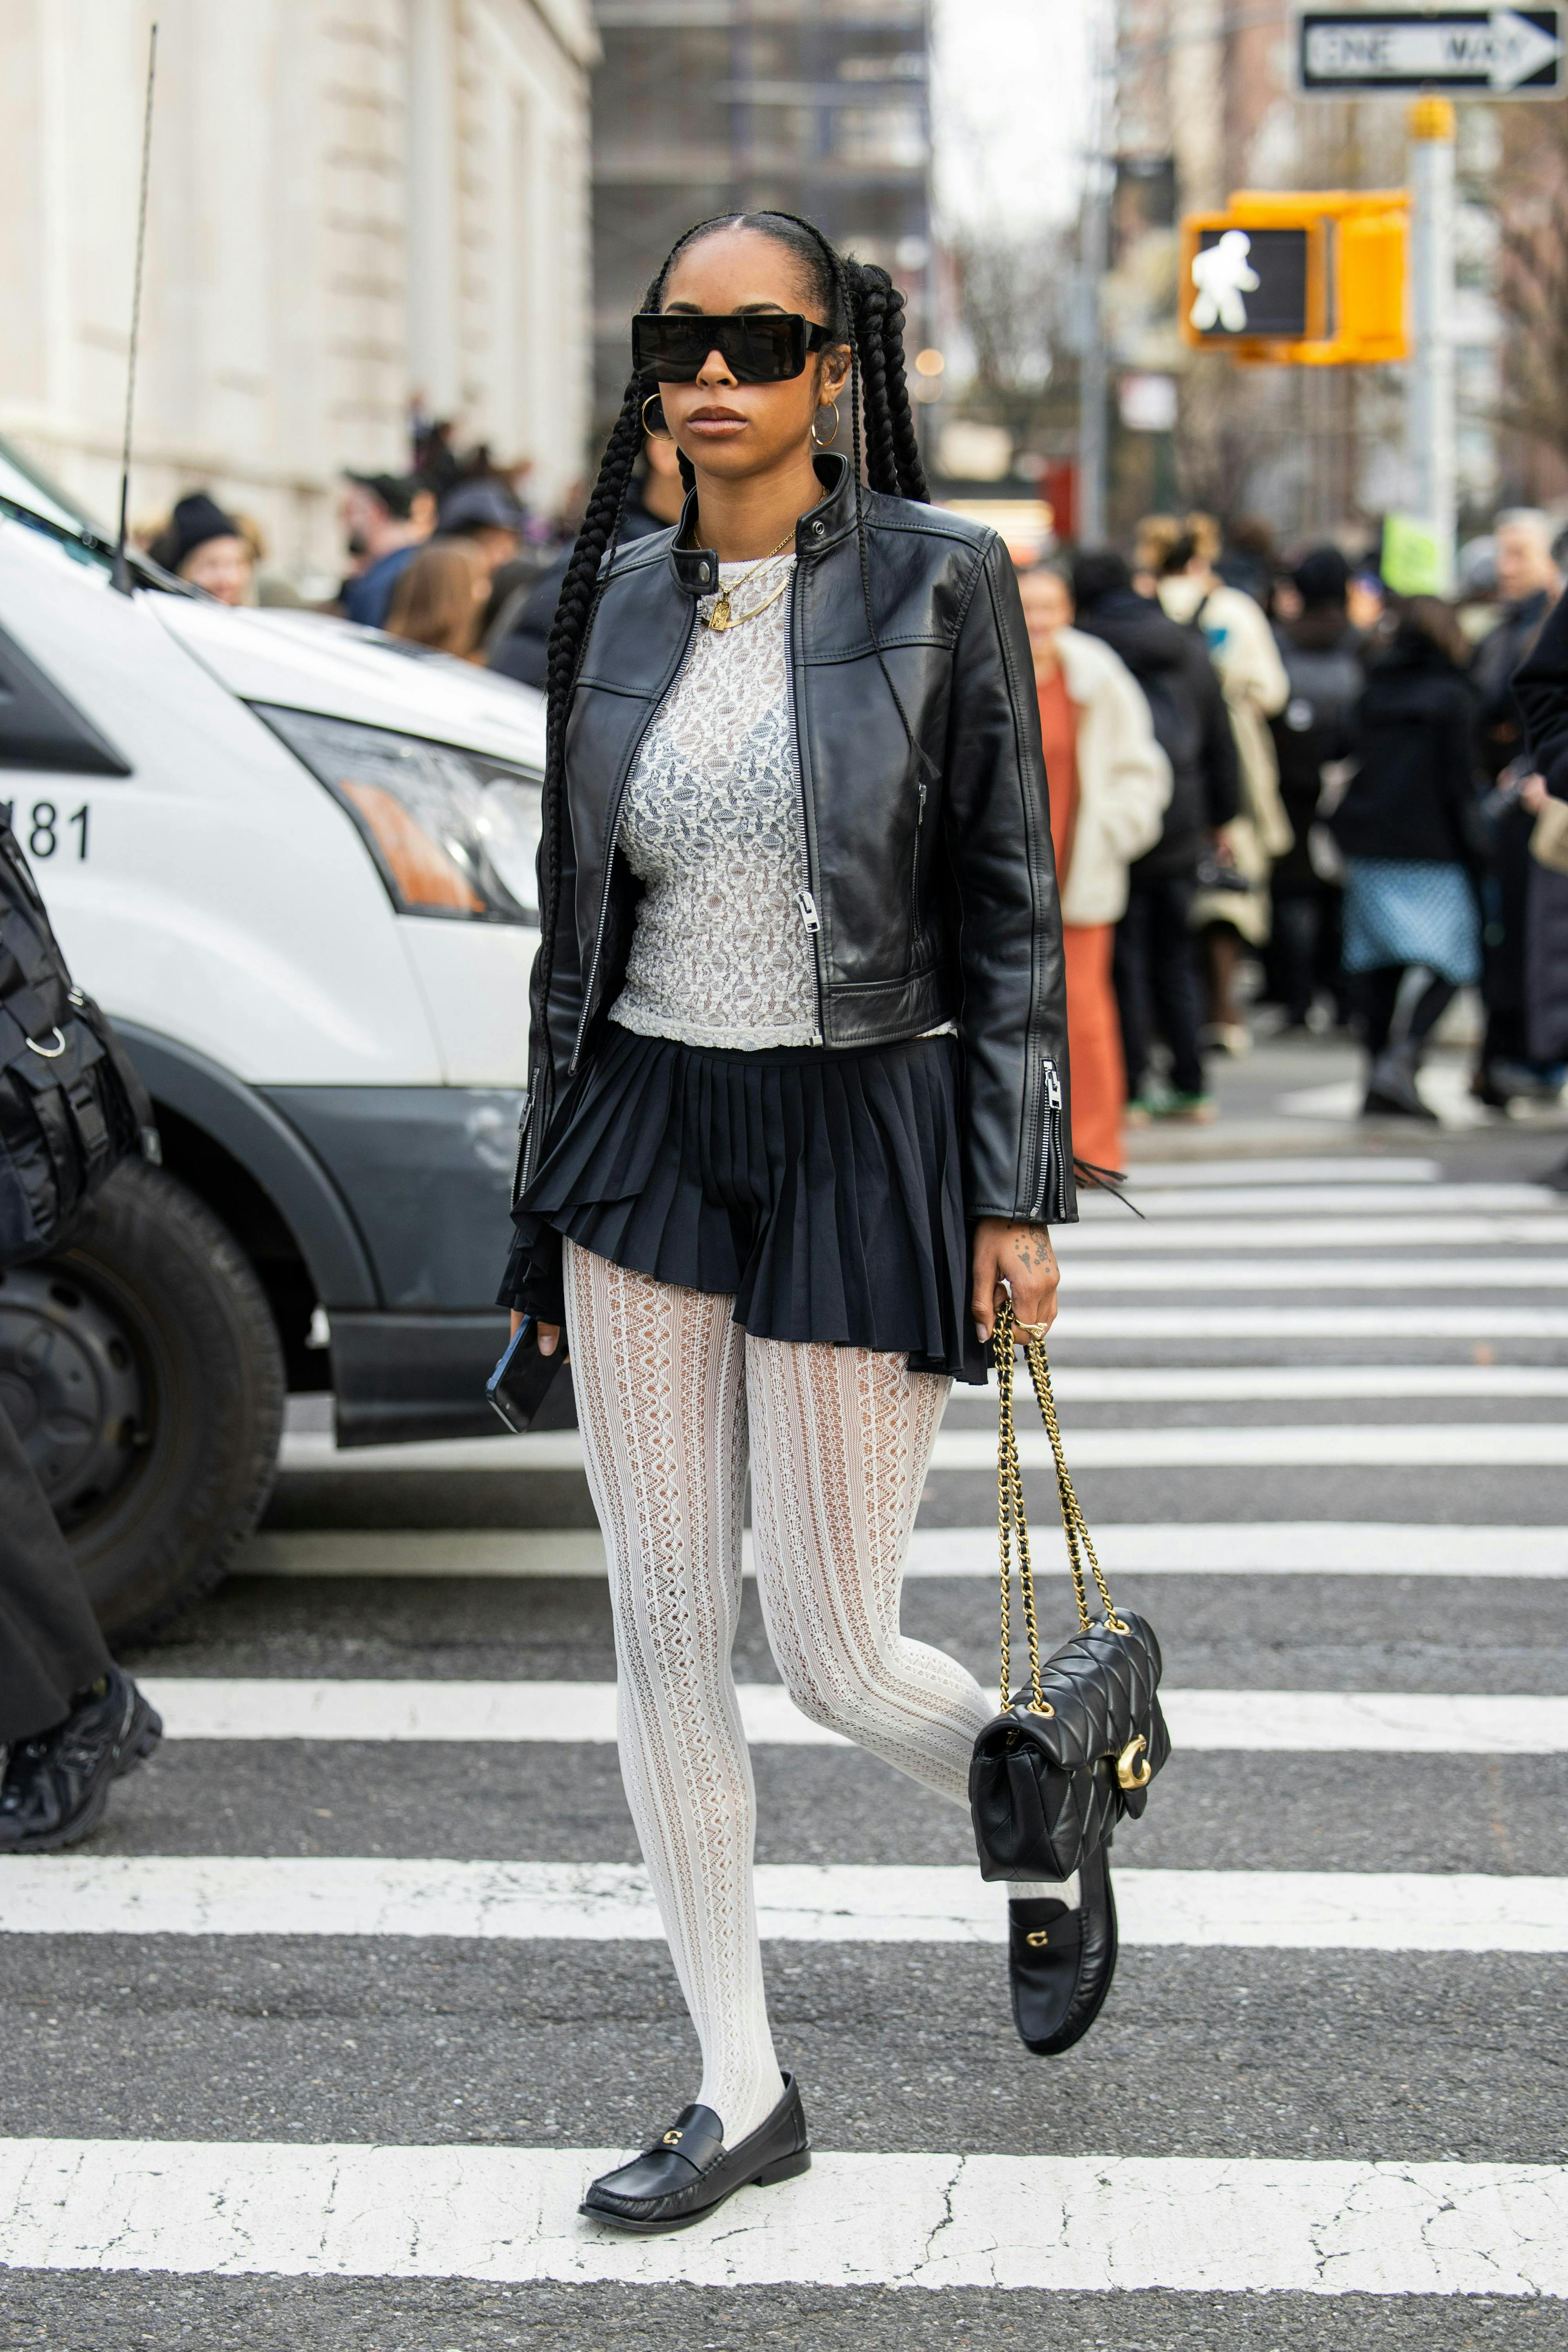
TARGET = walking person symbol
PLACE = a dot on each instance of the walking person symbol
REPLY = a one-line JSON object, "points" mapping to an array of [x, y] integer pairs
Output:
{"points": [[1223, 274]]}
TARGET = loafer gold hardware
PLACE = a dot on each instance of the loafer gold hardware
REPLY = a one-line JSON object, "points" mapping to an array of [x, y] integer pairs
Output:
{"points": [[1037, 1937], [1134, 1770], [672, 2138]]}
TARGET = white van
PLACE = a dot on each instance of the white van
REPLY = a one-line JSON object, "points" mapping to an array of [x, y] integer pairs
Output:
{"points": [[294, 861]]}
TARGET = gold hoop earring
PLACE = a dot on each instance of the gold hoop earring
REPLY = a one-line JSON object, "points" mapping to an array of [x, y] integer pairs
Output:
{"points": [[817, 437], [654, 401]]}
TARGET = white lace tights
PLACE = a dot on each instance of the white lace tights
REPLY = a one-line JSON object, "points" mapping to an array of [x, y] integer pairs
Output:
{"points": [[673, 1398]]}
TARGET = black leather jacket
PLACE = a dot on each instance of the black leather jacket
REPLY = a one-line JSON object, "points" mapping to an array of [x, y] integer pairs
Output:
{"points": [[932, 893]]}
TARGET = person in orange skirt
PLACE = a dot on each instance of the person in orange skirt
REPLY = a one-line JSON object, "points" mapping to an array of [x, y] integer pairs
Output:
{"points": [[1109, 784]]}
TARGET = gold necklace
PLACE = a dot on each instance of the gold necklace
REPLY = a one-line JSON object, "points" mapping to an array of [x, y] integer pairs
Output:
{"points": [[723, 615]]}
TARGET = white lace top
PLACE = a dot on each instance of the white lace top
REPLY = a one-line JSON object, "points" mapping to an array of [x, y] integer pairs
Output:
{"points": [[712, 824]]}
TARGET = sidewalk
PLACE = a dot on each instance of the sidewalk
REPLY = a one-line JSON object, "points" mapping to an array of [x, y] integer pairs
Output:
{"points": [[1303, 1094]]}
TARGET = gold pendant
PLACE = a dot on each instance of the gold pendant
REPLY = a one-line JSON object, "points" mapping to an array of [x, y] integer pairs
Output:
{"points": [[719, 618]]}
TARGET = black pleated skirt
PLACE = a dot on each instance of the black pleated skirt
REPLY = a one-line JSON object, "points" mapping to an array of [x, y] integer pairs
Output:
{"points": [[819, 1187]]}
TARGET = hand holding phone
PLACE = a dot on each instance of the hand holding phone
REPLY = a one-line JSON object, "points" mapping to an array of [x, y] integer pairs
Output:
{"points": [[520, 1382]]}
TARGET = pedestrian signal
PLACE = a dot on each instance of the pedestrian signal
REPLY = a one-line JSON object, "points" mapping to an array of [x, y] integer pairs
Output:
{"points": [[1248, 282], [1315, 280]]}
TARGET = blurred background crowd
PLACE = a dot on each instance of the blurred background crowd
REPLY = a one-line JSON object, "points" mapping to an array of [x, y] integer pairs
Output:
{"points": [[1285, 797]]}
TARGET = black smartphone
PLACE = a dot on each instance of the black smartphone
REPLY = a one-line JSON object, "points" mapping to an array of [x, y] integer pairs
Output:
{"points": [[520, 1382]]}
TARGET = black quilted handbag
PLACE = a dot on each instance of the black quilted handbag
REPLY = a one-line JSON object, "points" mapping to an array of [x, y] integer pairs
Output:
{"points": [[72, 1105], [1074, 1751]]}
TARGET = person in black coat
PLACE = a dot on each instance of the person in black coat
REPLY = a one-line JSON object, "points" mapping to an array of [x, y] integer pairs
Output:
{"points": [[1410, 828], [1529, 584], [1322, 656], [653, 503], [1155, 966], [71, 1721], [1540, 699]]}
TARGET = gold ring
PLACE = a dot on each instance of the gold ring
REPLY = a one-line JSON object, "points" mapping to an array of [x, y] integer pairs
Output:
{"points": [[1034, 1329]]}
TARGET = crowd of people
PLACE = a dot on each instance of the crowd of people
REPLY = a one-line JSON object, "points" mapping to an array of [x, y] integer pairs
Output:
{"points": [[1272, 779], [1315, 786]]}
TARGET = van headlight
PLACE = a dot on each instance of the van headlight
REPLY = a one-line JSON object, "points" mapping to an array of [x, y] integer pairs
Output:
{"points": [[453, 832]]}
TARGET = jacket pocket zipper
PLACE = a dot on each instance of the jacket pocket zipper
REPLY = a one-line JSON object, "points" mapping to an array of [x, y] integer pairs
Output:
{"points": [[915, 878], [1054, 1207]]}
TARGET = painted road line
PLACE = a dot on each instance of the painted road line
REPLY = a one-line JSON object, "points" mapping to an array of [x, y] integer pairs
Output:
{"points": [[1450, 1276], [1539, 1444], [1088, 2224], [246, 1895], [1314, 1722], [1167, 1208], [1350, 1167], [1453, 1231], [1178, 1384], [1536, 1444], [1278, 1325], [1173, 1547]]}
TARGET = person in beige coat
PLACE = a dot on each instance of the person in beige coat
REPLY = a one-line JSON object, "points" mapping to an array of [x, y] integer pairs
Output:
{"points": [[1241, 645], [1109, 784]]}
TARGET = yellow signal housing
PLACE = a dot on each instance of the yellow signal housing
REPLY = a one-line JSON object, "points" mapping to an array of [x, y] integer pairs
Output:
{"points": [[1356, 248]]}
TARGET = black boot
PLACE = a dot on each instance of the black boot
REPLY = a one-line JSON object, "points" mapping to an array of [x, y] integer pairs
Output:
{"points": [[56, 1784], [689, 2170], [1391, 1090], [1062, 1961]]}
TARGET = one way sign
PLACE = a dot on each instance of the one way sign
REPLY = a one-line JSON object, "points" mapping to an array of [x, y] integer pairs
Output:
{"points": [[1505, 52]]}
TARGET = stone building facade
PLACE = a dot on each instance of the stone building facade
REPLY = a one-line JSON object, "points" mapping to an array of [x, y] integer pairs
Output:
{"points": [[355, 205]]}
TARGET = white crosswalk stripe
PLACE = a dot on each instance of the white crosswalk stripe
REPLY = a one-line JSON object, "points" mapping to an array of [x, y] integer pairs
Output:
{"points": [[1325, 1722], [814, 1902], [1453, 1229], [922, 2221], [1541, 1443], [1097, 2224], [1278, 1283], [1174, 1547]]}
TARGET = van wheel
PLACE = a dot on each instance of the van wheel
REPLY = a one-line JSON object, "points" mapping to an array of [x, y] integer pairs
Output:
{"points": [[141, 1366]]}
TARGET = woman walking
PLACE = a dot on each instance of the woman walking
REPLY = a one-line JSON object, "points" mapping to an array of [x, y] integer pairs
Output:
{"points": [[1411, 831], [798, 1100], [1111, 785]]}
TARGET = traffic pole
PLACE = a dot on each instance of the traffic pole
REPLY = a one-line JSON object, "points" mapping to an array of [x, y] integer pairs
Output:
{"points": [[1430, 416]]}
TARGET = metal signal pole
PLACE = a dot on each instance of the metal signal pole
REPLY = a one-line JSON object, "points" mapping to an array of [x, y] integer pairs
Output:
{"points": [[1094, 254], [1430, 411]]}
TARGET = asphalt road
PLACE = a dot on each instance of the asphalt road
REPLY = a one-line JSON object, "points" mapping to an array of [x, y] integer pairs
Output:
{"points": [[218, 2059]]}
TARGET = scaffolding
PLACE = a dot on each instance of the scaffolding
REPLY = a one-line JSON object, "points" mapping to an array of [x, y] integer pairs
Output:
{"points": [[818, 107]]}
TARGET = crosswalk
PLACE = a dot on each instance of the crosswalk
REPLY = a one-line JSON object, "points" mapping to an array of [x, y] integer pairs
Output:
{"points": [[372, 1960]]}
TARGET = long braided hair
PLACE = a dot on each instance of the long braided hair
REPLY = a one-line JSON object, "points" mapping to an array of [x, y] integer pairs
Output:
{"points": [[862, 309]]}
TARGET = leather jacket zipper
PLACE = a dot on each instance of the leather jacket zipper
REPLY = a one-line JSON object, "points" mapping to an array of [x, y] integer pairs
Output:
{"points": [[915, 876], [1054, 1190], [805, 899]]}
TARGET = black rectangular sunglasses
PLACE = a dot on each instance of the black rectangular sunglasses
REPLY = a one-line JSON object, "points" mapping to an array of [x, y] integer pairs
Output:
{"points": [[758, 346]]}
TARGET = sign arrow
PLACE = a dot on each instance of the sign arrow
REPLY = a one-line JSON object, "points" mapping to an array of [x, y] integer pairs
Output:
{"points": [[1496, 50]]}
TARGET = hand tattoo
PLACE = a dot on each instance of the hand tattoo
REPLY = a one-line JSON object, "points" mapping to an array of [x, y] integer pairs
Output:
{"points": [[1032, 1245]]}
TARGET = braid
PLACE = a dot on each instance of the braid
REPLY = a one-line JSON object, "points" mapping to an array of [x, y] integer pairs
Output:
{"points": [[872, 288], [579, 593], [910, 467]]}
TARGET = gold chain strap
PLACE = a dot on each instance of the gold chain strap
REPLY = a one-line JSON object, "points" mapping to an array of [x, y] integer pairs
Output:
{"points": [[1013, 1526]]}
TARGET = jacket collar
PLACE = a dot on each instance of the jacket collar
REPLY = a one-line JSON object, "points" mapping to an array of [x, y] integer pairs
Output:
{"points": [[696, 569]]}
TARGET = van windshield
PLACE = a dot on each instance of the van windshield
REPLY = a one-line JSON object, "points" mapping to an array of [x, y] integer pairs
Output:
{"points": [[21, 482], [29, 497]]}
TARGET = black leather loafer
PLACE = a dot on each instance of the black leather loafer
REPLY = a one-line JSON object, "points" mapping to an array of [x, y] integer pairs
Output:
{"points": [[56, 1786], [689, 2170], [1062, 1961]]}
